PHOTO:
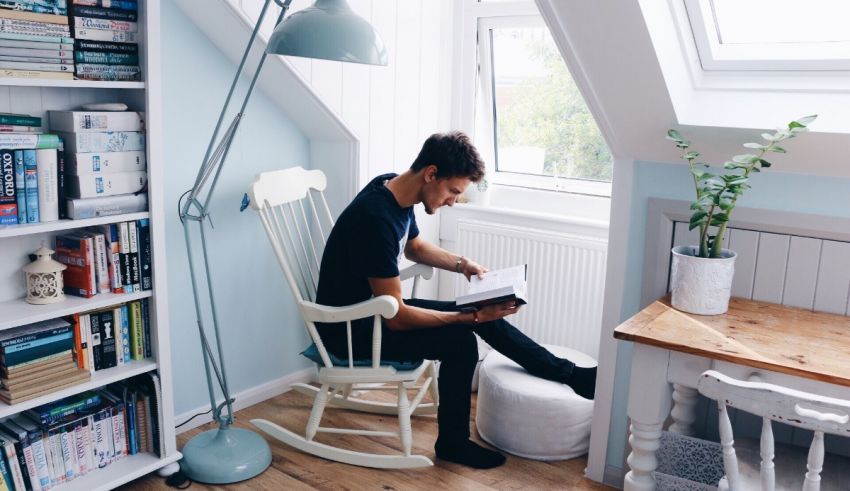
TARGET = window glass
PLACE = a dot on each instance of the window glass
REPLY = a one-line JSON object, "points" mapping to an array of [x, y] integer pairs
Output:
{"points": [[782, 21]]}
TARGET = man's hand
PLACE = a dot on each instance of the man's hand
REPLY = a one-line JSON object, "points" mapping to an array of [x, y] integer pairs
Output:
{"points": [[497, 311], [470, 267]]}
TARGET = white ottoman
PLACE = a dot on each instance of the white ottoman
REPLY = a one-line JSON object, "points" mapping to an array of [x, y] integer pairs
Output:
{"points": [[529, 416]]}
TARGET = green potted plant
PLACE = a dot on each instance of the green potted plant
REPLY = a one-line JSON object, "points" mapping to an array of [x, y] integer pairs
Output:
{"points": [[701, 274]]}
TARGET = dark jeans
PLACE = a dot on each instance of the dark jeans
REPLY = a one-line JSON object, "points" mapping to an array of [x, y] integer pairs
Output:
{"points": [[457, 349]]}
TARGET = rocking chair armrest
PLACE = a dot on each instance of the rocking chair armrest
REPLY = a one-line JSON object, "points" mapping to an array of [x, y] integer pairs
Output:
{"points": [[384, 305], [421, 270]]}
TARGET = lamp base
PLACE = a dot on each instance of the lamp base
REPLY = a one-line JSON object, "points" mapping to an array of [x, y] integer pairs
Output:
{"points": [[225, 455]]}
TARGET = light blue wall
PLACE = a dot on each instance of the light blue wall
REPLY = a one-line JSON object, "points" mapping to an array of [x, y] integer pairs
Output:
{"points": [[260, 327], [771, 190]]}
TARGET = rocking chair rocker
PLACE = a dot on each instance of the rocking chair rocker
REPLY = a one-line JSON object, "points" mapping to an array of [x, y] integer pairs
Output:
{"points": [[284, 200]]}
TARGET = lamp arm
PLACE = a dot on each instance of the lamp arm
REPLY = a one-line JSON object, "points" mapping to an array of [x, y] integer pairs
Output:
{"points": [[213, 163]]}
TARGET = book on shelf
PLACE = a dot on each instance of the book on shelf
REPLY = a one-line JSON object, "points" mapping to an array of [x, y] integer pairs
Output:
{"points": [[48, 18], [66, 66], [34, 74], [103, 141], [57, 7], [20, 119], [95, 121], [61, 51], [105, 13], [107, 184], [30, 184], [121, 73], [77, 254], [114, 4], [16, 26], [47, 168], [496, 286], [105, 24], [8, 128], [79, 209], [106, 58], [26, 141], [8, 188], [11, 36], [20, 186], [105, 35], [105, 47], [145, 254], [105, 162]]}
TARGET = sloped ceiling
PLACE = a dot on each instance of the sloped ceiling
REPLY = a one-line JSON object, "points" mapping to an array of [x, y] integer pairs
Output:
{"points": [[611, 45]]}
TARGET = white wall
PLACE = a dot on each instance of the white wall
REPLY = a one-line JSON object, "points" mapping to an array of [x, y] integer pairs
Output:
{"points": [[391, 109]]}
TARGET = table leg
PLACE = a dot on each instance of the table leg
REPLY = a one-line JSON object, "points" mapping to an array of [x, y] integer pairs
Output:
{"points": [[649, 405], [684, 411]]}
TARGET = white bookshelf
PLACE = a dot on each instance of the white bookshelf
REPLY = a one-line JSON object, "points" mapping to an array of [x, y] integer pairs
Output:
{"points": [[36, 97]]}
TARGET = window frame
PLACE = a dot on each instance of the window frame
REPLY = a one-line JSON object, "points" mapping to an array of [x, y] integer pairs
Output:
{"points": [[715, 56], [473, 61]]}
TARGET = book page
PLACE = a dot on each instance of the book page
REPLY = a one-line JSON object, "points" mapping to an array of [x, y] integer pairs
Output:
{"points": [[513, 276]]}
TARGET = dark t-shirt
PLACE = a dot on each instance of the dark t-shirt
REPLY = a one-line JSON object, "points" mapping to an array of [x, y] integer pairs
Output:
{"points": [[366, 242]]}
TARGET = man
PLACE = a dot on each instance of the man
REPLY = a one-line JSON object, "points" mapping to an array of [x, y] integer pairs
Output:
{"points": [[361, 260]]}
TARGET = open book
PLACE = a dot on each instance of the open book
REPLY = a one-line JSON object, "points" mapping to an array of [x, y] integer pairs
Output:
{"points": [[497, 286]]}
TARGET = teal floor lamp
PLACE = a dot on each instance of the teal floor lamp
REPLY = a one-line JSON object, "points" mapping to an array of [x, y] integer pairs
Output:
{"points": [[327, 30]]}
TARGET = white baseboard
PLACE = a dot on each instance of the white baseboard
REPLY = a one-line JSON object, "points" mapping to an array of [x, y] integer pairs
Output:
{"points": [[249, 397]]}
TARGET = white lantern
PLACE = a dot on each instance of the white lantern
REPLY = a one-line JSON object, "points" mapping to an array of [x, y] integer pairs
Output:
{"points": [[44, 278]]}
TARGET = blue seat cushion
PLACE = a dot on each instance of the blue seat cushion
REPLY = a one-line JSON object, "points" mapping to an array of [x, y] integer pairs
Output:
{"points": [[312, 353]]}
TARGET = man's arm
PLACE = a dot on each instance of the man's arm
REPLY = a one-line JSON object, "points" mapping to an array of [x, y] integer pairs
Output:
{"points": [[410, 317], [424, 252]]}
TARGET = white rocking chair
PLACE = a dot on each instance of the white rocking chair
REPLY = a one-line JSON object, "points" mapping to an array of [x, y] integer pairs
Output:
{"points": [[284, 200], [781, 466]]}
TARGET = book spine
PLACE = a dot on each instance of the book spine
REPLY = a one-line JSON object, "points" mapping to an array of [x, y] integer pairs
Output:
{"points": [[35, 74], [15, 467], [95, 121], [102, 270], [114, 258], [28, 337], [47, 166], [146, 328], [118, 431], [113, 4], [40, 459], [136, 331], [24, 467], [88, 243], [104, 141], [8, 189], [27, 141], [106, 206], [135, 272], [9, 36], [37, 352], [33, 26], [124, 243], [119, 337], [41, 67], [36, 17], [58, 476], [80, 445], [88, 440], [111, 184], [76, 278], [20, 186], [125, 334], [68, 453], [6, 128], [106, 13], [104, 35], [6, 483], [145, 254], [79, 343], [98, 71], [31, 6], [110, 77], [130, 407], [105, 46], [20, 120], [106, 162], [99, 435], [29, 459], [60, 181], [31, 185], [107, 339], [106, 58], [95, 341], [40, 52], [105, 24]]}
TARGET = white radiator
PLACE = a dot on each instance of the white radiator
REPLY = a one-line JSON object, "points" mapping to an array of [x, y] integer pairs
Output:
{"points": [[566, 278]]}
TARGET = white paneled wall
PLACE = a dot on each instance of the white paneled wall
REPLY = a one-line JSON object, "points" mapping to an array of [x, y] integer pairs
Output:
{"points": [[391, 109], [793, 270]]}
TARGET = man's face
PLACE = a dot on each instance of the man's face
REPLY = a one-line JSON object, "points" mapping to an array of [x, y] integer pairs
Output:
{"points": [[441, 192]]}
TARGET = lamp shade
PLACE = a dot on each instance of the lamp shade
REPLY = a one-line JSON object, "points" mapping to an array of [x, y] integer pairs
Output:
{"points": [[328, 30]]}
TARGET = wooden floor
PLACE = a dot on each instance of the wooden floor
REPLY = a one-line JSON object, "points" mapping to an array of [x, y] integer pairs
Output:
{"points": [[292, 469]]}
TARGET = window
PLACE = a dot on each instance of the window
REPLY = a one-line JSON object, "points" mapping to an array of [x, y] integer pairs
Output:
{"points": [[531, 122], [771, 34]]}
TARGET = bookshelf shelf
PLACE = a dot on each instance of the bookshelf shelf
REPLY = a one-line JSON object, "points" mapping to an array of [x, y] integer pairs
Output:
{"points": [[60, 225], [119, 473], [98, 379], [80, 84], [14, 313]]}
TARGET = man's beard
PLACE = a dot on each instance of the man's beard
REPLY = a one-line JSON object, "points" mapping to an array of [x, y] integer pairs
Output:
{"points": [[428, 209]]}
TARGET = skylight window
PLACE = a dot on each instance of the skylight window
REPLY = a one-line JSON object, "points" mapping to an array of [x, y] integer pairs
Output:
{"points": [[771, 34]]}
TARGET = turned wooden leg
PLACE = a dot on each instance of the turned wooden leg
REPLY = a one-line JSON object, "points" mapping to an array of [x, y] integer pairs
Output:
{"points": [[649, 405], [316, 413], [405, 433], [684, 411]]}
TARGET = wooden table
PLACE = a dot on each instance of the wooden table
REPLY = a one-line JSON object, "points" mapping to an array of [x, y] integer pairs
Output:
{"points": [[797, 348]]}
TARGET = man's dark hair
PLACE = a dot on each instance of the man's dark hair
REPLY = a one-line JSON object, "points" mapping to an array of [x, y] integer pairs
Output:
{"points": [[453, 154]]}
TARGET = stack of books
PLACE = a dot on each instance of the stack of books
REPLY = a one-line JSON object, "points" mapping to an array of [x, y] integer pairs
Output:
{"points": [[37, 359], [29, 172], [112, 337], [105, 166], [58, 442], [106, 39], [35, 40], [108, 258]]}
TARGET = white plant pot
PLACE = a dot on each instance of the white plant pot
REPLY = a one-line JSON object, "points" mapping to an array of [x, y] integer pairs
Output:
{"points": [[701, 285]]}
